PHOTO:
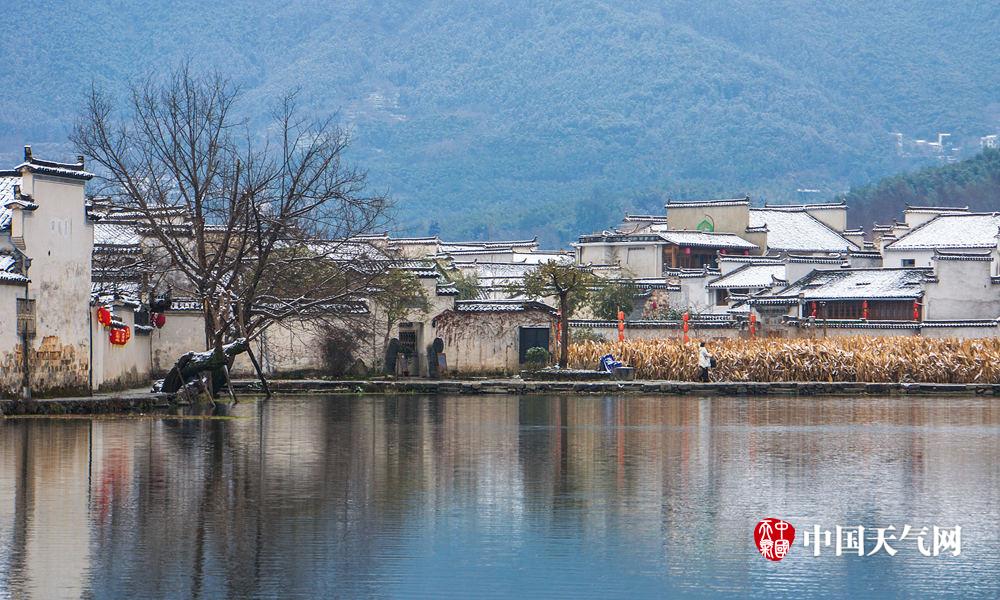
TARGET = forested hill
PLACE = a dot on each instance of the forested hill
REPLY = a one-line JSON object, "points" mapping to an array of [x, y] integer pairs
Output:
{"points": [[520, 118], [974, 183]]}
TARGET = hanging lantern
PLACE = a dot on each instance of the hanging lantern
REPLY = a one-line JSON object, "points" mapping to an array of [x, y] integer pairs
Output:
{"points": [[753, 324], [621, 326], [864, 310], [113, 337], [813, 313], [916, 310], [159, 320], [687, 251], [104, 316]]}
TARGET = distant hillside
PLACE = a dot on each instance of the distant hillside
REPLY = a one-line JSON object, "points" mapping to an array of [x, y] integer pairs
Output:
{"points": [[974, 183], [521, 118]]}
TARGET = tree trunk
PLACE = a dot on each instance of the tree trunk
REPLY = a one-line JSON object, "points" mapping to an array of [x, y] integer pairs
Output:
{"points": [[260, 373], [564, 322]]}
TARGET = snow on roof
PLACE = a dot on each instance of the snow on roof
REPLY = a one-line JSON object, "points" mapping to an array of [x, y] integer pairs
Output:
{"points": [[836, 205], [750, 276], [7, 183], [702, 238], [115, 234], [719, 202], [537, 258], [489, 245], [937, 209], [9, 270], [797, 230], [58, 169], [975, 230], [501, 306], [489, 270], [856, 284]]}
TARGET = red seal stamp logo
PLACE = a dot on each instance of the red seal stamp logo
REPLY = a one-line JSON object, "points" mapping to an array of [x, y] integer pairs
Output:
{"points": [[773, 538]]}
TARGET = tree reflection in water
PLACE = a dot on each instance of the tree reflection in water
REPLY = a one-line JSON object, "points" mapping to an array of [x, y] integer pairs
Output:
{"points": [[531, 496]]}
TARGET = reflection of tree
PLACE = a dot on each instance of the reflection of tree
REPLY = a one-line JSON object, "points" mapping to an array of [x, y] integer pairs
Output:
{"points": [[322, 496]]}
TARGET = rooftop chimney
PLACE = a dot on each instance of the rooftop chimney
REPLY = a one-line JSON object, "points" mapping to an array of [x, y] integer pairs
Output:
{"points": [[27, 153]]}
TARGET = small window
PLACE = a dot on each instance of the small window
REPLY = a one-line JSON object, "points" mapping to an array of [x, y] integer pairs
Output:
{"points": [[909, 262], [721, 298]]}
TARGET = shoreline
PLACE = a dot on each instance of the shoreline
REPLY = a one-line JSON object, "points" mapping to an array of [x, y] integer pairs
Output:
{"points": [[139, 401]]}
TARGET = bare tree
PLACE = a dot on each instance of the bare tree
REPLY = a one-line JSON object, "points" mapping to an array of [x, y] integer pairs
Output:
{"points": [[259, 228]]}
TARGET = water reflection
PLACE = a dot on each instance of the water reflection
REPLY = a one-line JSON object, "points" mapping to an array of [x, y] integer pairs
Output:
{"points": [[495, 496]]}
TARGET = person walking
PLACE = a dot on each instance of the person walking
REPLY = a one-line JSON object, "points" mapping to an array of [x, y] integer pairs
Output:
{"points": [[704, 361]]}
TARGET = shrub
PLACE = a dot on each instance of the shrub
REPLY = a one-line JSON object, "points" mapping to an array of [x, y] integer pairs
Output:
{"points": [[536, 357], [338, 347]]}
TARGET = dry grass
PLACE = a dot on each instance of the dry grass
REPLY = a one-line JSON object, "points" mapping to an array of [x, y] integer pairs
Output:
{"points": [[858, 358]]}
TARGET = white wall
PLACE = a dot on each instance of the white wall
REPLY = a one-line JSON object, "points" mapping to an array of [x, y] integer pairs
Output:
{"points": [[963, 291], [59, 240], [120, 367]]}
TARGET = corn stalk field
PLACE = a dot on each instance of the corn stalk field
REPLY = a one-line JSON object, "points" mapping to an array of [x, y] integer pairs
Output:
{"points": [[858, 358]]}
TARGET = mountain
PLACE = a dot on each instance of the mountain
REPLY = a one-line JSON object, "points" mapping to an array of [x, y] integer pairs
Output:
{"points": [[974, 182], [522, 118]]}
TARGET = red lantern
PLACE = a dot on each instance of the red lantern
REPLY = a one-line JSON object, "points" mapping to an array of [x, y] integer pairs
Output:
{"points": [[621, 326], [119, 336], [104, 316], [687, 251], [916, 310], [753, 324], [159, 320], [813, 313], [864, 310]]}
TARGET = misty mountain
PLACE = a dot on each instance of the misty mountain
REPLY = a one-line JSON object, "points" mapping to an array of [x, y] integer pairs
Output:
{"points": [[521, 118]]}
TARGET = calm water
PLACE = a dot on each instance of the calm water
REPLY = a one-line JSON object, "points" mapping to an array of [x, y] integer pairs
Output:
{"points": [[477, 497]]}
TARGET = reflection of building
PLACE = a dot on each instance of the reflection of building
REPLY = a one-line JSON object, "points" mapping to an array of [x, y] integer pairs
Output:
{"points": [[354, 495]]}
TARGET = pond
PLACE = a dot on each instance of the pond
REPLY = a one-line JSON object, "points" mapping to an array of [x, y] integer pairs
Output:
{"points": [[501, 496]]}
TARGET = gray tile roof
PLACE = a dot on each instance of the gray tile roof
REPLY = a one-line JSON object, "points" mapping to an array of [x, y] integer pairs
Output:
{"points": [[750, 276]]}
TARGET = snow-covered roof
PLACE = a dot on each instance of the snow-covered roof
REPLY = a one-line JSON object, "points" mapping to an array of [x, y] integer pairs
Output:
{"points": [[699, 203], [975, 230], [537, 258], [703, 238], [115, 234], [505, 306], [854, 284], [488, 245], [750, 276], [48, 167], [7, 183], [940, 210], [836, 205], [797, 230], [9, 271], [487, 270]]}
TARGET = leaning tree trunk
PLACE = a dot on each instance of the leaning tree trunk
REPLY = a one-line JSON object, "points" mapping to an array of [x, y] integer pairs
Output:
{"points": [[190, 367]]}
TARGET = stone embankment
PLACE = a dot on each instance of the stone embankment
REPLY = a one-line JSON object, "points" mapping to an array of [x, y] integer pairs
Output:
{"points": [[140, 402], [116, 403], [681, 388]]}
